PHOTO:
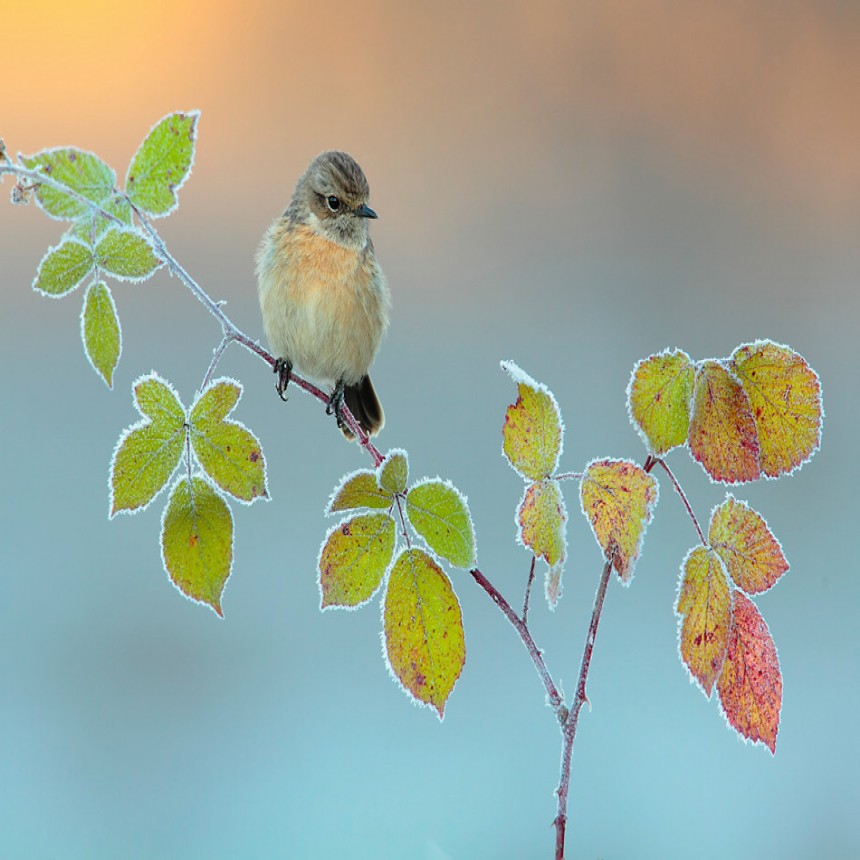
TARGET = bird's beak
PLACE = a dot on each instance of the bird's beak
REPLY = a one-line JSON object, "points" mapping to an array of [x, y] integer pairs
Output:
{"points": [[364, 211]]}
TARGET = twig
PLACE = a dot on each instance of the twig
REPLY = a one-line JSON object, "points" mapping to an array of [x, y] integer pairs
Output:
{"points": [[531, 579], [522, 629], [569, 728], [682, 494]]}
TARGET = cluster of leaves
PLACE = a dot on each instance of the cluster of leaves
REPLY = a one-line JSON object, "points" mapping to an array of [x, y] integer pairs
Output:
{"points": [[757, 413], [218, 453], [617, 497], [109, 237], [102, 241], [422, 623]]}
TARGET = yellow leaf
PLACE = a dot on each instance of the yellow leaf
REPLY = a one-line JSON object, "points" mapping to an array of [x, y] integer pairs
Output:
{"points": [[423, 629], [393, 472], [723, 435], [785, 396], [747, 546], [358, 490], [704, 606], [532, 433], [618, 499], [542, 518]]}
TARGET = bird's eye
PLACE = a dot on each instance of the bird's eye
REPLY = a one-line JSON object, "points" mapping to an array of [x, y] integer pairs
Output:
{"points": [[333, 202]]}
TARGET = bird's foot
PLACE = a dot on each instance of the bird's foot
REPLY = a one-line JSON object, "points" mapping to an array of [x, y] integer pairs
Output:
{"points": [[284, 368], [335, 403]]}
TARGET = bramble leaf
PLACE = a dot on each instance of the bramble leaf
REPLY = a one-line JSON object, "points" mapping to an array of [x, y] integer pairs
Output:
{"points": [[785, 396], [532, 435], [542, 521], [100, 331], [659, 398], [618, 499], [126, 254], [162, 164], [148, 452], [705, 614], [358, 490], [228, 452], [393, 472], [353, 559], [746, 545], [82, 171], [423, 629], [723, 435], [750, 684], [197, 541], [440, 514], [63, 268]]}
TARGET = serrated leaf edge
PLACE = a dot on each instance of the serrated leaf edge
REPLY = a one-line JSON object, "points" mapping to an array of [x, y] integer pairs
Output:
{"points": [[92, 285], [217, 491], [226, 420], [194, 114], [65, 240], [145, 419], [388, 455], [131, 279], [465, 500], [342, 483]]}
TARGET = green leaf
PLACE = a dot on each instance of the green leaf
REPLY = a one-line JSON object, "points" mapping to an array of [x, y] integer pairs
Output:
{"points": [[82, 171], [393, 472], [163, 163], [659, 398], [542, 521], [423, 629], [229, 453], [532, 433], [100, 331], [63, 268], [197, 541], [126, 254], [358, 490], [92, 226], [440, 514], [147, 453], [353, 559]]}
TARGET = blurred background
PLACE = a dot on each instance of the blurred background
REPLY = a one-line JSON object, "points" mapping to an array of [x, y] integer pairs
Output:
{"points": [[572, 185]]}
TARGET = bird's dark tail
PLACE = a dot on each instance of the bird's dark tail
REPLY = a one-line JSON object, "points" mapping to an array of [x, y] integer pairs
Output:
{"points": [[364, 405]]}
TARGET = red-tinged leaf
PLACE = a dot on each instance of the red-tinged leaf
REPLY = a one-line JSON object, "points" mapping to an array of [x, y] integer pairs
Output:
{"points": [[747, 546], [659, 397], [423, 629], [542, 520], [723, 435], [750, 684], [532, 433], [785, 395], [705, 613], [618, 499]]}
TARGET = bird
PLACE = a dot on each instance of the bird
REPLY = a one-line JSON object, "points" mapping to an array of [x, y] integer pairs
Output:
{"points": [[323, 296]]}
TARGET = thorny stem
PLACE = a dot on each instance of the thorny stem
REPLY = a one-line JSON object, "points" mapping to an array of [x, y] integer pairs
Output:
{"points": [[231, 334], [555, 700], [569, 728], [649, 463]]}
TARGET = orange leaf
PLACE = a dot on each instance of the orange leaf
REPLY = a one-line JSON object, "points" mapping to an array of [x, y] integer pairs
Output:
{"points": [[750, 685], [747, 546], [723, 434], [785, 396], [704, 605], [618, 499]]}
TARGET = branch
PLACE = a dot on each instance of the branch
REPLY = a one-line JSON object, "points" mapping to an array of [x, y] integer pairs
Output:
{"points": [[522, 629], [569, 728]]}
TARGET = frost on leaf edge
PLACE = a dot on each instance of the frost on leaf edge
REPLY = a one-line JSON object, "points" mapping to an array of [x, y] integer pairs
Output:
{"points": [[92, 285], [217, 490], [128, 431], [465, 500]]}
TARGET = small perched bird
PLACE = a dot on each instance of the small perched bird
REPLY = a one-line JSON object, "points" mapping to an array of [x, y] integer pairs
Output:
{"points": [[323, 296]]}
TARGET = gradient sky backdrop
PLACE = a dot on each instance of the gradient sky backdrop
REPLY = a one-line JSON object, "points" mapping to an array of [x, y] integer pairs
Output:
{"points": [[573, 185]]}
